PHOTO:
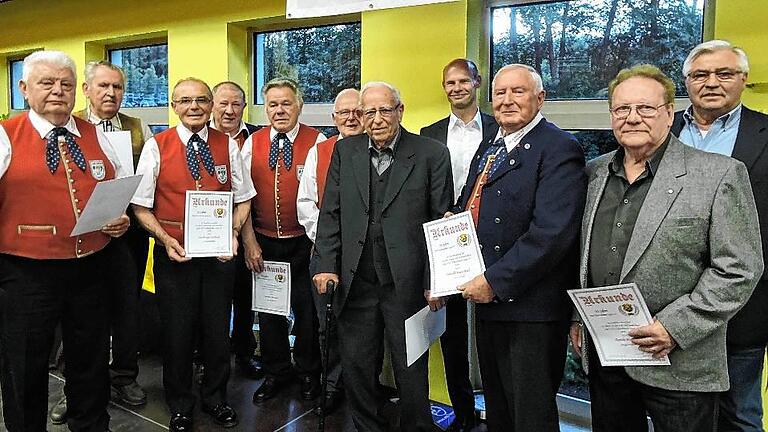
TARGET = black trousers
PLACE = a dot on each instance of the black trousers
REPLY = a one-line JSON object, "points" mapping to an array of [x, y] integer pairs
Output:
{"points": [[329, 336], [36, 295], [127, 279], [372, 314], [620, 403], [521, 364], [194, 296], [455, 347], [275, 350], [243, 340]]}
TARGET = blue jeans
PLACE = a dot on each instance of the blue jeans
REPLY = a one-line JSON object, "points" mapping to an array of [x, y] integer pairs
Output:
{"points": [[741, 407]]}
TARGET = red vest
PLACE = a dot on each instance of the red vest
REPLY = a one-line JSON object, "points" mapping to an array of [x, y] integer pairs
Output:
{"points": [[39, 209], [324, 153], [274, 207], [174, 178]]}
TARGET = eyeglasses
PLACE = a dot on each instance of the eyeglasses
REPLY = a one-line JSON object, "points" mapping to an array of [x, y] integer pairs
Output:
{"points": [[186, 101], [645, 111], [722, 75], [344, 113], [370, 114]]}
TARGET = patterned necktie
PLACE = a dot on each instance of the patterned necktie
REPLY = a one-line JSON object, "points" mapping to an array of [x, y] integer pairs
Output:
{"points": [[192, 154], [52, 155], [107, 125], [274, 151], [499, 149]]}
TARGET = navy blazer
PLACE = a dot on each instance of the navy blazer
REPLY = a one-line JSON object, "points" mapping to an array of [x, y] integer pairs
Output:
{"points": [[749, 327], [528, 227]]}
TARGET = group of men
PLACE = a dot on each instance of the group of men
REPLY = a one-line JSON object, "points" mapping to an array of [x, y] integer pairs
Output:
{"points": [[679, 222]]}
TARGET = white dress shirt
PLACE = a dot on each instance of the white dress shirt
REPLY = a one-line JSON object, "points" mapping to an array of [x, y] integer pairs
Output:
{"points": [[463, 141], [44, 127], [149, 166], [307, 197], [117, 124], [513, 140]]}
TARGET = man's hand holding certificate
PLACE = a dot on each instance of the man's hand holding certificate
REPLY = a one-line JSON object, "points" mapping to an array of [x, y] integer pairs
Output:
{"points": [[454, 253], [272, 289], [208, 224], [610, 313]]}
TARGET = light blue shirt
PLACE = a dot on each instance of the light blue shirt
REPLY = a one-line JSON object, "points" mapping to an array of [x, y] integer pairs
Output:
{"points": [[721, 136]]}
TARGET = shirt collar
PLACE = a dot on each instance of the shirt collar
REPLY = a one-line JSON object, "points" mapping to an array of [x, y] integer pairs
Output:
{"points": [[453, 120], [727, 120], [392, 145], [44, 127], [94, 119], [513, 139], [212, 125], [185, 134], [651, 165], [291, 134]]}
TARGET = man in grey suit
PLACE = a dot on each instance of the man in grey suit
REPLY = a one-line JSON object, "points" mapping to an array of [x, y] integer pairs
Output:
{"points": [[381, 187], [682, 225]]}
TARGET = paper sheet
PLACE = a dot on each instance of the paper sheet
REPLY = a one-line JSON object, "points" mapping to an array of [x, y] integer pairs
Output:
{"points": [[107, 202], [421, 330]]}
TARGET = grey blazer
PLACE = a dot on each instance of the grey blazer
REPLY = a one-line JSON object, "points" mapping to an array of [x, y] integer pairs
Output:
{"points": [[695, 255]]}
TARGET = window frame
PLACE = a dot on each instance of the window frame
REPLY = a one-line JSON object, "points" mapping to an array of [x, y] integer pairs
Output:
{"points": [[158, 115], [12, 84], [575, 114], [313, 114]]}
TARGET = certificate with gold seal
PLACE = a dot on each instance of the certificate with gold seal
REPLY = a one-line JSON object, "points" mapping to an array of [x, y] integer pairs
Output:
{"points": [[208, 224], [454, 253], [272, 289], [609, 313]]}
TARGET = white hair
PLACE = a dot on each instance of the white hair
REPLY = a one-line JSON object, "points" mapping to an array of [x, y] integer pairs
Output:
{"points": [[57, 58], [345, 92], [90, 69], [374, 84], [712, 46], [538, 84]]}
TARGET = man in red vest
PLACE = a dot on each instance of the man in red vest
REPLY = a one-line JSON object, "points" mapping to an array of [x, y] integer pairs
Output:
{"points": [[193, 295], [50, 163], [311, 188], [275, 159]]}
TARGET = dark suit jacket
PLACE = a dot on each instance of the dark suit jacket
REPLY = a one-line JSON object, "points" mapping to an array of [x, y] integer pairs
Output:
{"points": [[420, 189], [750, 326], [530, 214], [251, 129], [439, 129]]}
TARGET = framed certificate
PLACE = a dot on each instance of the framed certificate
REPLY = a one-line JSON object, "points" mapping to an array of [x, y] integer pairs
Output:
{"points": [[454, 253], [208, 224], [609, 313], [272, 289]]}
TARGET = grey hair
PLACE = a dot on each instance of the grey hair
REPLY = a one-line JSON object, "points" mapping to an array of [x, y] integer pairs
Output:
{"points": [[286, 83], [57, 58], [712, 46], [372, 84], [538, 84], [346, 91], [90, 69], [233, 84]]}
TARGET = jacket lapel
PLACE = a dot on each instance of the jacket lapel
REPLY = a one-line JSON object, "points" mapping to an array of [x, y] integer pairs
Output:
{"points": [[665, 188], [400, 169], [361, 161], [751, 141], [594, 192]]}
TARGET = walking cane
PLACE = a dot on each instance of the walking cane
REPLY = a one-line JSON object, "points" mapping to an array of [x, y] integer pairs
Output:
{"points": [[329, 289]]}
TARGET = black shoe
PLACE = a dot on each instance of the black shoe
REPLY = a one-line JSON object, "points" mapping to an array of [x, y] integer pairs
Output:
{"points": [[310, 387], [332, 401], [59, 412], [250, 367], [132, 394], [223, 414], [180, 423], [268, 389]]}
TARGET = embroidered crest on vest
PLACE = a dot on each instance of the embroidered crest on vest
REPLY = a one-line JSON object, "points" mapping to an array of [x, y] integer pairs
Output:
{"points": [[221, 173], [299, 171], [97, 169]]}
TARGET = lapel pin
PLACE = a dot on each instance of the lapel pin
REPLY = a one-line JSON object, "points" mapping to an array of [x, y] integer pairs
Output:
{"points": [[669, 191], [527, 146], [511, 161]]}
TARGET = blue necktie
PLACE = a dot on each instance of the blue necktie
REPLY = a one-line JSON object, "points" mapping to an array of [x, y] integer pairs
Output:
{"points": [[274, 150], [205, 154], [499, 149], [52, 155]]}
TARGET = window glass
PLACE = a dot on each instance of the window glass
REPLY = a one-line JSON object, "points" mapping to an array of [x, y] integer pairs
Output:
{"points": [[578, 46], [17, 99], [146, 73]]}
